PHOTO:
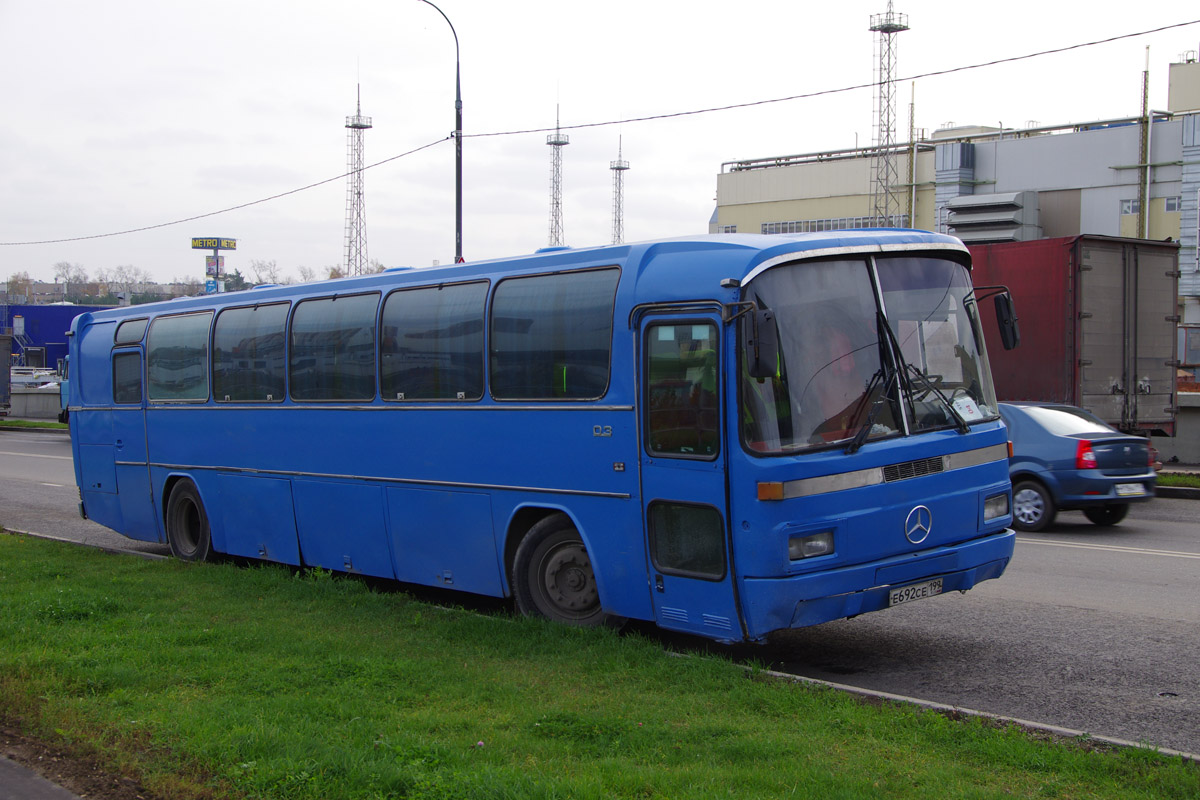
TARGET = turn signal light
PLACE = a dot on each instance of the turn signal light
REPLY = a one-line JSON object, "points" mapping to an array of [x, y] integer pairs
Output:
{"points": [[772, 490]]}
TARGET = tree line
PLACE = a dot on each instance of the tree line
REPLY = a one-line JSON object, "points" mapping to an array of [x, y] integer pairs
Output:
{"points": [[109, 284]]}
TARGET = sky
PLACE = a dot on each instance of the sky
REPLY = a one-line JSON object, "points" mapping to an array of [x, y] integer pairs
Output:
{"points": [[152, 115]]}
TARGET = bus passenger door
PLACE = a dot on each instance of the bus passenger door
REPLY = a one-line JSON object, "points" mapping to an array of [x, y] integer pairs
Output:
{"points": [[139, 519], [683, 477]]}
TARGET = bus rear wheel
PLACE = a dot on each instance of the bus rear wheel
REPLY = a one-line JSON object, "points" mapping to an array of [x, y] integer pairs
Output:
{"points": [[188, 533], [553, 577]]}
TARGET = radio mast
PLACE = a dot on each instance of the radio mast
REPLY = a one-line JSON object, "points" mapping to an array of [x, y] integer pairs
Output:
{"points": [[556, 140], [356, 220], [618, 168], [885, 171]]}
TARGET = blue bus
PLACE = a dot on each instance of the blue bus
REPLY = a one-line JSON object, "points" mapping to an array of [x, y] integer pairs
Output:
{"points": [[726, 435]]}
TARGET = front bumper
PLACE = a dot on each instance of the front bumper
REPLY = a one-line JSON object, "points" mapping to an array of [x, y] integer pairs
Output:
{"points": [[797, 601]]}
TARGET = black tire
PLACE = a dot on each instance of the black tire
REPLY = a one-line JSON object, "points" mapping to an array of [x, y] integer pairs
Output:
{"points": [[1107, 515], [553, 578], [1033, 508], [187, 524]]}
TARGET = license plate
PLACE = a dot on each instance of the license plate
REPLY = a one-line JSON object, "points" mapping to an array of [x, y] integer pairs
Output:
{"points": [[1130, 489], [918, 591]]}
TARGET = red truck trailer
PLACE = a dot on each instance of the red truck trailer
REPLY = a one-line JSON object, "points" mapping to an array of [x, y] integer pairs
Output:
{"points": [[1098, 316]]}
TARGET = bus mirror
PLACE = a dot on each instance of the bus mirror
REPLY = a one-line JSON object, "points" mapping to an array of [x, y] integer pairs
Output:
{"points": [[762, 348], [1006, 319]]}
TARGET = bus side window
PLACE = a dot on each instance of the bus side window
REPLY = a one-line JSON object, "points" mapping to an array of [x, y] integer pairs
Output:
{"points": [[431, 346], [687, 540], [551, 336], [682, 416], [127, 376], [333, 348]]}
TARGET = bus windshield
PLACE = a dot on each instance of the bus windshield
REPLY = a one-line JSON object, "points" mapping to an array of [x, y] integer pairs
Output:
{"points": [[868, 349]]}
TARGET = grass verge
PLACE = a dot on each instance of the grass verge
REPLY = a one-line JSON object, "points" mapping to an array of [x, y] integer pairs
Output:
{"points": [[213, 681], [7, 422], [1179, 479]]}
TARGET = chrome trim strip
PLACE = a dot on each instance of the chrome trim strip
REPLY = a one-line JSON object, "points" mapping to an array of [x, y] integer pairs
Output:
{"points": [[404, 481], [388, 405], [858, 250], [973, 458], [825, 484]]}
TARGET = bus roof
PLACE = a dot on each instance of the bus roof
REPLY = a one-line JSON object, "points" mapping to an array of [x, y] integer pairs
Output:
{"points": [[684, 268]]}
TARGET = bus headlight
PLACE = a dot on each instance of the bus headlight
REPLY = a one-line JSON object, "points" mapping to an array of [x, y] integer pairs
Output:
{"points": [[818, 544], [995, 506]]}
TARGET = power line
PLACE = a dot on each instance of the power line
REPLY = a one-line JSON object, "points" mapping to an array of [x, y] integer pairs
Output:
{"points": [[844, 89], [231, 208], [651, 118]]}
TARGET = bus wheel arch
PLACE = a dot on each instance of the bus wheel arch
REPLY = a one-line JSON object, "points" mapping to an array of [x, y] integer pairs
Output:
{"points": [[185, 521], [551, 574]]}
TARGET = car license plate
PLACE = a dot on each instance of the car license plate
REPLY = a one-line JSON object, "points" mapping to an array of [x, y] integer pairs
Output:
{"points": [[1130, 489], [917, 591]]}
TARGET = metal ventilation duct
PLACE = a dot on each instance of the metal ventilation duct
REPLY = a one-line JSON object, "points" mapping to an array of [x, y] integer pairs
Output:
{"points": [[986, 218]]}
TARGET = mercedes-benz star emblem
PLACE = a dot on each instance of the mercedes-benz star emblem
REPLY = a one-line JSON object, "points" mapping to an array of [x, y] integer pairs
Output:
{"points": [[918, 524]]}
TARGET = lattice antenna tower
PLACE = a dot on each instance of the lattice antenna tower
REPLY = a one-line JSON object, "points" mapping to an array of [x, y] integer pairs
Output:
{"points": [[618, 168], [356, 219], [884, 169], [557, 140]]}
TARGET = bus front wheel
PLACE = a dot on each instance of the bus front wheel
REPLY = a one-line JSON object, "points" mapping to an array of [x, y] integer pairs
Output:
{"points": [[187, 524], [553, 577]]}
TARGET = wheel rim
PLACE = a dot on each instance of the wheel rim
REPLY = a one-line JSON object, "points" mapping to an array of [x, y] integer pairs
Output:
{"points": [[1028, 506], [567, 583]]}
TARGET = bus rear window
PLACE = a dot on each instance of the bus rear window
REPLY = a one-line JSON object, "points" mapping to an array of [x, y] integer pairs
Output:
{"points": [[552, 335], [177, 357], [333, 348]]}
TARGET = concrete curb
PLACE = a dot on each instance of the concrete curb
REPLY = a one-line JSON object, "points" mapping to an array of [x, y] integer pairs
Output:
{"points": [[59, 431], [929, 705], [1184, 492]]}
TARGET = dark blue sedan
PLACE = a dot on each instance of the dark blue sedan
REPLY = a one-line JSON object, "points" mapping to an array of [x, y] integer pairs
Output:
{"points": [[1065, 458]]}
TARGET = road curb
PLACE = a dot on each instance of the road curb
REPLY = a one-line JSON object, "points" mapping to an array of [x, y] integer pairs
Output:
{"points": [[929, 705], [59, 431], [1184, 492]]}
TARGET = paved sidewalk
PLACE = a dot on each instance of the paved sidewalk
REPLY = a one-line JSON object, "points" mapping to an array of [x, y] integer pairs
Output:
{"points": [[21, 783]]}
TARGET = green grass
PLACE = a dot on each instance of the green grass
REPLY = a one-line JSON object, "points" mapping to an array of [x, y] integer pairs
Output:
{"points": [[7, 422], [214, 681], [1179, 479]]}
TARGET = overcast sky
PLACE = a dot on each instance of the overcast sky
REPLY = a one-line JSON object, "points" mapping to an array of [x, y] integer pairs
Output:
{"points": [[128, 114]]}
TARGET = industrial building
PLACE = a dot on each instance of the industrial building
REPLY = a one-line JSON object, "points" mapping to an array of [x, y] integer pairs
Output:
{"points": [[1119, 177], [1136, 177]]}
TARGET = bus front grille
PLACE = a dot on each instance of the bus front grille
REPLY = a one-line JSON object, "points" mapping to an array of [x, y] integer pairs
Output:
{"points": [[913, 469]]}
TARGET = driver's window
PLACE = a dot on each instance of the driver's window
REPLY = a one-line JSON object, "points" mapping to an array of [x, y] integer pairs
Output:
{"points": [[682, 408]]}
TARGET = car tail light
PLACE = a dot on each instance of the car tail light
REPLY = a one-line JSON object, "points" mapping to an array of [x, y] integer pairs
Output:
{"points": [[1085, 457]]}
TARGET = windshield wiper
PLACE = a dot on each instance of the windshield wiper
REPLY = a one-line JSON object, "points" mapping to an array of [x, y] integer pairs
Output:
{"points": [[960, 422], [885, 375]]}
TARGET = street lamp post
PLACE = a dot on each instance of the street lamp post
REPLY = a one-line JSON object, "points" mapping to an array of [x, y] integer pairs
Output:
{"points": [[458, 256]]}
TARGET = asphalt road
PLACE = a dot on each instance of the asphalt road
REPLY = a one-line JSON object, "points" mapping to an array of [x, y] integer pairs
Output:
{"points": [[1092, 629]]}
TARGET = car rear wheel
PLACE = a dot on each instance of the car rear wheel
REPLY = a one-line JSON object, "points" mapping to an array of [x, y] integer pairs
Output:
{"points": [[1107, 515], [1033, 508]]}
